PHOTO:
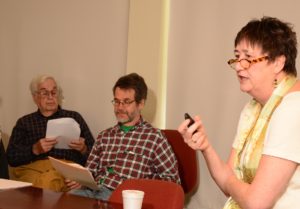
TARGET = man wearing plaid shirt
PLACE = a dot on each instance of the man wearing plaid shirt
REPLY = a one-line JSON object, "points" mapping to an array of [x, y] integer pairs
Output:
{"points": [[130, 149], [28, 147]]}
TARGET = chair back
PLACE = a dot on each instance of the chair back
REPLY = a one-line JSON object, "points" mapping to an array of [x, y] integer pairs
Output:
{"points": [[187, 160], [159, 194]]}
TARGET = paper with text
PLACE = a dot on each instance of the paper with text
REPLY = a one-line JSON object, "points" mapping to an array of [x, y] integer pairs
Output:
{"points": [[64, 130], [75, 172]]}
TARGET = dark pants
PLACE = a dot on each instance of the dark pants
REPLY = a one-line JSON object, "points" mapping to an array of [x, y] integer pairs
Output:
{"points": [[3, 162]]}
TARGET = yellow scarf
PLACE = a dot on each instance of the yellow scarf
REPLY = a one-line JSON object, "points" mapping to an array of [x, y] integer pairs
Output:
{"points": [[251, 134]]}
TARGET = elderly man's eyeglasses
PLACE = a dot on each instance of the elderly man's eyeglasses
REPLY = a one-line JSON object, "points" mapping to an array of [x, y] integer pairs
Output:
{"points": [[46, 94], [125, 103], [245, 63]]}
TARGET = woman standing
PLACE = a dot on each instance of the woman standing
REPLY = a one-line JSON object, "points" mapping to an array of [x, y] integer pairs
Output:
{"points": [[262, 170]]}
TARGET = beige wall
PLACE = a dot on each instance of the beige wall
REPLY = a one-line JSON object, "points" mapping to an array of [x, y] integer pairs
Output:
{"points": [[180, 47], [83, 44]]}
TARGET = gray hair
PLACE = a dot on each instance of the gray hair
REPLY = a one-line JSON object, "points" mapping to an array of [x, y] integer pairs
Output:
{"points": [[35, 82]]}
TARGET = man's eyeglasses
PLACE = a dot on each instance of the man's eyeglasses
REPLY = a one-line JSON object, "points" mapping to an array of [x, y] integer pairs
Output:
{"points": [[245, 63], [46, 94], [125, 103]]}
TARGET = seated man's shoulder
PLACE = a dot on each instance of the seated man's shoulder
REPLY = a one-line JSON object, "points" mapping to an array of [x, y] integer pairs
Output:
{"points": [[27, 117], [107, 132], [149, 129]]}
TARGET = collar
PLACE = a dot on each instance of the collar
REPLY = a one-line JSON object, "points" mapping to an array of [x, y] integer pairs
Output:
{"points": [[59, 109], [139, 123]]}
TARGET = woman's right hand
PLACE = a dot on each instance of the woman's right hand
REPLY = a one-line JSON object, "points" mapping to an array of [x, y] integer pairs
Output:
{"points": [[195, 135]]}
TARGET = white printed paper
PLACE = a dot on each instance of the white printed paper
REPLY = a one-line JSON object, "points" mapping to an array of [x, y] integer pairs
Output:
{"points": [[64, 130]]}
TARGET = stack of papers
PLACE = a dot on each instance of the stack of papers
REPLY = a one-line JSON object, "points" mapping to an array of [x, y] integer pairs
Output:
{"points": [[64, 130], [11, 184], [75, 172]]}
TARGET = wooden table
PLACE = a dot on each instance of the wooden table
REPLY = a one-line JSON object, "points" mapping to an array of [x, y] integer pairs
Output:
{"points": [[35, 198]]}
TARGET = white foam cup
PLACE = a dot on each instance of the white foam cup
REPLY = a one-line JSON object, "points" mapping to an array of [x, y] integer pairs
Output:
{"points": [[132, 199]]}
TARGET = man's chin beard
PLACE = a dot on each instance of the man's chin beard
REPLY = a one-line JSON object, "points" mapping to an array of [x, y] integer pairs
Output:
{"points": [[124, 121]]}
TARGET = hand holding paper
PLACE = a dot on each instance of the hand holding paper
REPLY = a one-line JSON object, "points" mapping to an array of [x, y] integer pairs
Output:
{"points": [[65, 130], [75, 172], [78, 145], [72, 184], [43, 145]]}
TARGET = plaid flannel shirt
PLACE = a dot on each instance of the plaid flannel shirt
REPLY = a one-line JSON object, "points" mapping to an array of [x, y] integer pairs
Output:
{"points": [[32, 127], [143, 152]]}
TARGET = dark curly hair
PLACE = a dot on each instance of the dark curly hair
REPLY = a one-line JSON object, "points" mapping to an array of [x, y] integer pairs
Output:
{"points": [[135, 82], [275, 37]]}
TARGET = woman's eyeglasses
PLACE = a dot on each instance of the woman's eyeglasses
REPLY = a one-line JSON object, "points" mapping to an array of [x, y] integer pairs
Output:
{"points": [[245, 63]]}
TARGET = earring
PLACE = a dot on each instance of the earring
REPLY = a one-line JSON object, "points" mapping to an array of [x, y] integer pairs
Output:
{"points": [[275, 83]]}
